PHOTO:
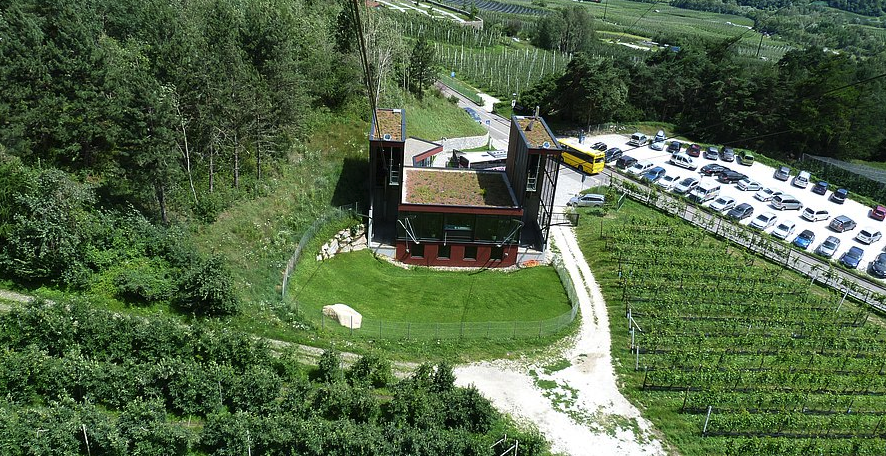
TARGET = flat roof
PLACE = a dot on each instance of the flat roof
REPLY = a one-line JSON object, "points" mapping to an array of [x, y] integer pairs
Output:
{"points": [[457, 187], [539, 133], [416, 147], [390, 122]]}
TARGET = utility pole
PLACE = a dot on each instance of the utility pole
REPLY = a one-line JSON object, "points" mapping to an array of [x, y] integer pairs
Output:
{"points": [[605, 7], [759, 46]]}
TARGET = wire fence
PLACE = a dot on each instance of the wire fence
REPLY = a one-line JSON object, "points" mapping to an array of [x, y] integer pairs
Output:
{"points": [[863, 180], [515, 329], [824, 272], [338, 213]]}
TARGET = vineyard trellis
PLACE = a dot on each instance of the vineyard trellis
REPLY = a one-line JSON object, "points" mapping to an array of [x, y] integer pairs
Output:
{"points": [[502, 72], [762, 362]]}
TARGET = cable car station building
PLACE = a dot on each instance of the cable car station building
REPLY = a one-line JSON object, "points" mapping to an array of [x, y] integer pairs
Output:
{"points": [[461, 217]]}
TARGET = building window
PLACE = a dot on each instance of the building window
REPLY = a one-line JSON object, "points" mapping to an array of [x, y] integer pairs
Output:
{"points": [[443, 252], [417, 251], [471, 252], [497, 253]]}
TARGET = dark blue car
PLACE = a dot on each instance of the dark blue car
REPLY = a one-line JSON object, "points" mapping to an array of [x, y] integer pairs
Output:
{"points": [[654, 174], [851, 258], [804, 239], [820, 188]]}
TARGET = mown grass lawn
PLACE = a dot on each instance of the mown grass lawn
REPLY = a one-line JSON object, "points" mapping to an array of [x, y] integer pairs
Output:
{"points": [[380, 290]]}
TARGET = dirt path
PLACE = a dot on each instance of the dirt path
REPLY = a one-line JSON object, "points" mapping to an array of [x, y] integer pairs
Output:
{"points": [[573, 400]]}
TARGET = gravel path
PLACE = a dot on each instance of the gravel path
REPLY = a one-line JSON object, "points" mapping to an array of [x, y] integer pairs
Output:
{"points": [[574, 400]]}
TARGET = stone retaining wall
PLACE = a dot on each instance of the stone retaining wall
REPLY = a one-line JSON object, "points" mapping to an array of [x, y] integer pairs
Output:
{"points": [[466, 142], [346, 240]]}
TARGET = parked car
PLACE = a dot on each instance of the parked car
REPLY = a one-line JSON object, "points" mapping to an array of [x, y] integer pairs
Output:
{"points": [[625, 162], [784, 229], [686, 185], [637, 139], [783, 173], [587, 200], [878, 213], [613, 154], [766, 194], [745, 158], [821, 187], [749, 185], [713, 168], [683, 161], [740, 212], [711, 153], [840, 196], [852, 257], [730, 177], [659, 137], [868, 235], [727, 154], [653, 174], [814, 215], [804, 239], [674, 147], [828, 247], [877, 268], [801, 180], [763, 221], [842, 224], [657, 145], [786, 203], [694, 150], [640, 167], [668, 182], [601, 146], [723, 203]]}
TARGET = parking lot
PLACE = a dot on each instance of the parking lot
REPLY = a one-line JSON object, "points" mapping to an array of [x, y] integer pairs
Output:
{"points": [[764, 175]]}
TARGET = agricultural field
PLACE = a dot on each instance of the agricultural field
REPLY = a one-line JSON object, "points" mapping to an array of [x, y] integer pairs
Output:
{"points": [[730, 354], [498, 7], [651, 20], [501, 71]]}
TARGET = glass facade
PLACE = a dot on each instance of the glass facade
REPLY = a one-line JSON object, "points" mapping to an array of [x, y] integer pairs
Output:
{"points": [[480, 228]]}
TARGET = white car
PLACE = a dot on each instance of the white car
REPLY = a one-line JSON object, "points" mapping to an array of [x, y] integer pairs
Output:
{"points": [[686, 185], [815, 215], [763, 221], [766, 194], [749, 185], [723, 203], [667, 182], [657, 145], [784, 229], [640, 167], [868, 235]]}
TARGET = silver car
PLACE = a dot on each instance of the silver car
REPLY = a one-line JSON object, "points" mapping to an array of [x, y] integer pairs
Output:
{"points": [[763, 221], [828, 247], [723, 203], [588, 200]]}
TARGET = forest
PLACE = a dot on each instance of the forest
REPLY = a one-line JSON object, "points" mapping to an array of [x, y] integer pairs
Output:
{"points": [[811, 101]]}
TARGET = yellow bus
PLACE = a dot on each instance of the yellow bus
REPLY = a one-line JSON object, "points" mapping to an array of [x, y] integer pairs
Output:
{"points": [[582, 157]]}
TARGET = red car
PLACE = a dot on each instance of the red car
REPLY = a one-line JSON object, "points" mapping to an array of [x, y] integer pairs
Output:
{"points": [[694, 150], [878, 213]]}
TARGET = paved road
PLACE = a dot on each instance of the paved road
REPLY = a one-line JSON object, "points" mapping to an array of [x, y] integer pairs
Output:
{"points": [[499, 127]]}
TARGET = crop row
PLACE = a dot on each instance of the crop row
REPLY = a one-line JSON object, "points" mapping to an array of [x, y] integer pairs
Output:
{"points": [[498, 7], [783, 380], [808, 403], [503, 72]]}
